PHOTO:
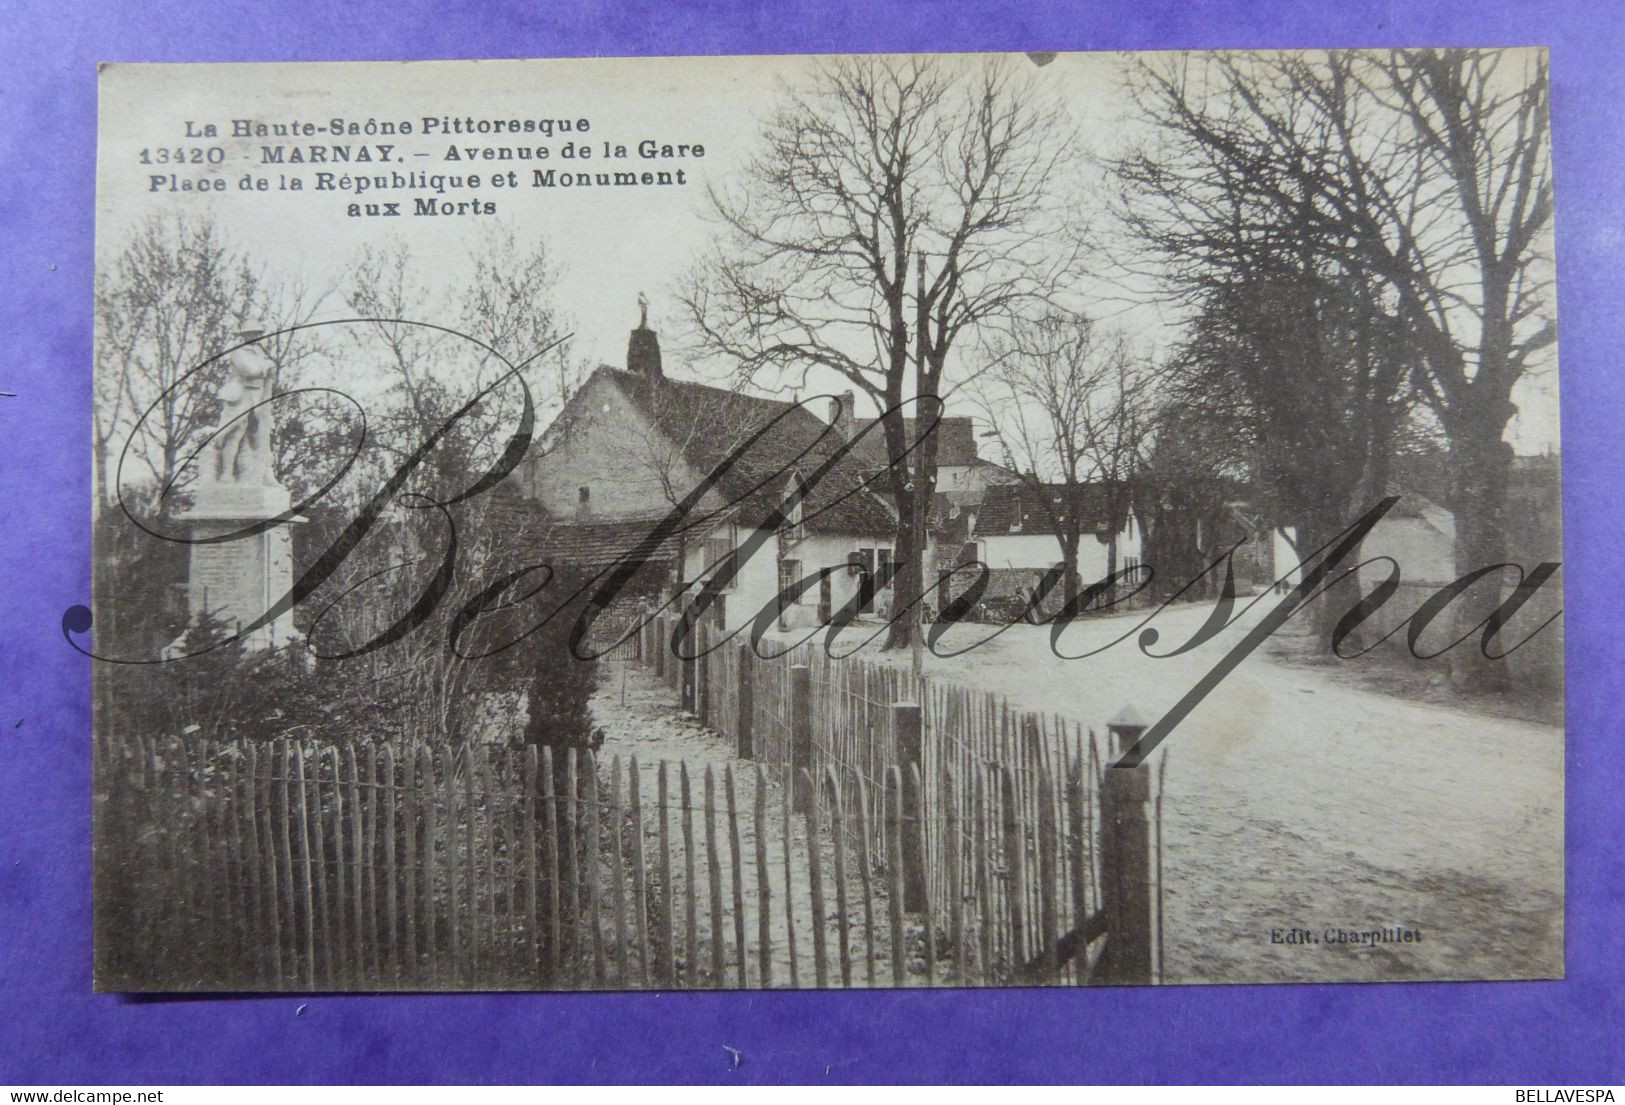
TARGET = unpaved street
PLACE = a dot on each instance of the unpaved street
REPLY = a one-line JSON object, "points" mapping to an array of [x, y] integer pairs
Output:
{"points": [[1296, 798]]}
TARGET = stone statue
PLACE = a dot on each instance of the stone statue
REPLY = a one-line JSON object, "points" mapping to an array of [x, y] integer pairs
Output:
{"points": [[241, 448], [234, 574], [643, 311]]}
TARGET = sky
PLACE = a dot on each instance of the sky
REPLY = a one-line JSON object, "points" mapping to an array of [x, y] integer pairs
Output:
{"points": [[609, 244]]}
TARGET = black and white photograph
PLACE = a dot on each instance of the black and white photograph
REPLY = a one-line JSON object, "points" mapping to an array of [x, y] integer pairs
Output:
{"points": [[1053, 519]]}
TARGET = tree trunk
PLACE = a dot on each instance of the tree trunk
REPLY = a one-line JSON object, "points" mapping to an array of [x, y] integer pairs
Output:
{"points": [[1111, 563], [906, 583], [1070, 580], [1326, 609], [920, 474], [1482, 465]]}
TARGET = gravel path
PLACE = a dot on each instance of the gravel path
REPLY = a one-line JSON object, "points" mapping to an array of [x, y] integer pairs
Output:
{"points": [[639, 718]]}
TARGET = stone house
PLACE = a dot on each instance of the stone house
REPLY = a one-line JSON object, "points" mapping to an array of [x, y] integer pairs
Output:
{"points": [[632, 443]]}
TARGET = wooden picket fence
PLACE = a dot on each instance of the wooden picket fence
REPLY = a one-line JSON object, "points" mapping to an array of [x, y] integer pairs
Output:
{"points": [[286, 864], [855, 718], [293, 864]]}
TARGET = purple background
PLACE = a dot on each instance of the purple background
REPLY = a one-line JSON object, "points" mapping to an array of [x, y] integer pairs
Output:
{"points": [[54, 1030]]}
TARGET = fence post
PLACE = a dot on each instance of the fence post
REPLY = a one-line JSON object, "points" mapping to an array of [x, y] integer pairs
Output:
{"points": [[746, 749], [702, 674], [910, 748], [689, 668], [660, 646], [1126, 883], [801, 737]]}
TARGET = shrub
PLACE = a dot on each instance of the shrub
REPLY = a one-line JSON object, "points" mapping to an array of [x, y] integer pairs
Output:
{"points": [[559, 686]]}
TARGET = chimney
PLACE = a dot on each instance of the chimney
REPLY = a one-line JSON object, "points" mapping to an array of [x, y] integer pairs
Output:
{"points": [[643, 348], [840, 414]]}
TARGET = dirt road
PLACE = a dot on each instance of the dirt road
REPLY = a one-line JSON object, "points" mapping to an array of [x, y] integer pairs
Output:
{"points": [[1298, 799]]}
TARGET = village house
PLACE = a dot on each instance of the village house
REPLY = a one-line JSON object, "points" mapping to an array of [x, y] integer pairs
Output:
{"points": [[1416, 533], [1420, 536], [1013, 530], [962, 475], [632, 443]]}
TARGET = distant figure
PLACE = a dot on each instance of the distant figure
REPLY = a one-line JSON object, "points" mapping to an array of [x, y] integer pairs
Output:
{"points": [[241, 442]]}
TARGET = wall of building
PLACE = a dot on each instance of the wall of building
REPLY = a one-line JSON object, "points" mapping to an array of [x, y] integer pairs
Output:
{"points": [[754, 584], [757, 580], [1040, 551], [603, 442], [1424, 548], [827, 550], [966, 485], [1286, 571]]}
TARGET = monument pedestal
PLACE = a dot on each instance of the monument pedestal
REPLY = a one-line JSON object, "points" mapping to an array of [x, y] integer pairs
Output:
{"points": [[238, 580]]}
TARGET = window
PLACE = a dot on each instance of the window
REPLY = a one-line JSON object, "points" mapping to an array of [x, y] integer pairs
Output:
{"points": [[789, 573], [876, 567], [717, 553], [794, 492]]}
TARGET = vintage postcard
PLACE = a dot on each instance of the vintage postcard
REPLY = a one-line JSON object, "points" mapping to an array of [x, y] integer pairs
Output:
{"points": [[895, 521]]}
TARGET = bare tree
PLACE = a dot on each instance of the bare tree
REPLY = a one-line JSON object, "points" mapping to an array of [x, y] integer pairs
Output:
{"points": [[1292, 340], [176, 297], [1478, 294], [1425, 172], [173, 298], [898, 207], [421, 375], [509, 305], [413, 377], [1069, 407]]}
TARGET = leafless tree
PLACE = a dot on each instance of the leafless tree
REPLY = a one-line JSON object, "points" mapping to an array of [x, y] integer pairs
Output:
{"points": [[1463, 236], [420, 375], [509, 304], [897, 208], [412, 379], [1070, 406], [174, 297], [1425, 172]]}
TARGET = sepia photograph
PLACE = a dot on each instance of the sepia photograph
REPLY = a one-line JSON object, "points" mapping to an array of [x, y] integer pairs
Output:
{"points": [[822, 522]]}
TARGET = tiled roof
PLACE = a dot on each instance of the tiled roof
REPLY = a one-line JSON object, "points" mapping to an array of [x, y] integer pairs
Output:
{"points": [[708, 423], [1022, 508], [600, 544], [956, 440], [529, 535]]}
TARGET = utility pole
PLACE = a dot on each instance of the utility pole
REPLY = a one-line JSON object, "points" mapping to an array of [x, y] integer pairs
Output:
{"points": [[916, 637], [922, 482]]}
